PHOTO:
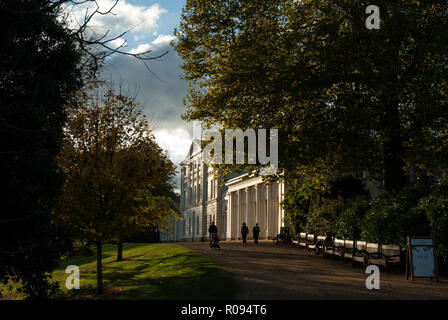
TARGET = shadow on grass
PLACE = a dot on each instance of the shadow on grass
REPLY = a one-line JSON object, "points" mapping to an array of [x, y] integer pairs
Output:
{"points": [[163, 273], [181, 276]]}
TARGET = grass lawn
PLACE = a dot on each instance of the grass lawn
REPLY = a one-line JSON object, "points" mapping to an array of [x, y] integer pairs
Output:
{"points": [[150, 271]]}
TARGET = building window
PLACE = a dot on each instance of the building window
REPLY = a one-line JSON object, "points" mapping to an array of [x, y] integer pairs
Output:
{"points": [[197, 225]]}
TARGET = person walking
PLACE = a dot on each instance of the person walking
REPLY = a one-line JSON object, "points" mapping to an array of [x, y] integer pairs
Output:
{"points": [[256, 232], [244, 232], [213, 235]]}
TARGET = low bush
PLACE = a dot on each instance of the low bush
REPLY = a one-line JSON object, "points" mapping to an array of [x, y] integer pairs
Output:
{"points": [[296, 204], [324, 214], [435, 206], [393, 217], [349, 223]]}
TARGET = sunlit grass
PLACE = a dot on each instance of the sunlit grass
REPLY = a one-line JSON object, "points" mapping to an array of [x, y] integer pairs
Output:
{"points": [[150, 271]]}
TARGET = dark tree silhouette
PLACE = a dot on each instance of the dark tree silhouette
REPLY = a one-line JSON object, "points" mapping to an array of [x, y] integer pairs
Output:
{"points": [[43, 62]]}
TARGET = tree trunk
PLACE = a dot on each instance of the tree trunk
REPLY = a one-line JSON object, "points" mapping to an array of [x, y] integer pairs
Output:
{"points": [[119, 250], [99, 268]]}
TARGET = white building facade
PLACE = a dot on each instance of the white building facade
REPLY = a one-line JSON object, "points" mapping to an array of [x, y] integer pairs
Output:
{"points": [[253, 201], [240, 199]]}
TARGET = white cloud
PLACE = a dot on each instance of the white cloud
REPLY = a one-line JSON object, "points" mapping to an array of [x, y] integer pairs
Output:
{"points": [[125, 16], [141, 48], [176, 142], [117, 42], [161, 41]]}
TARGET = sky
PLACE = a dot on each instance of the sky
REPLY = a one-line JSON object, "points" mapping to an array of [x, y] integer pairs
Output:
{"points": [[151, 24]]}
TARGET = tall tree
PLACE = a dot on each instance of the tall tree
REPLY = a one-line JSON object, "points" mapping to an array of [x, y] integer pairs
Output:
{"points": [[43, 62], [110, 160], [345, 99], [39, 72]]}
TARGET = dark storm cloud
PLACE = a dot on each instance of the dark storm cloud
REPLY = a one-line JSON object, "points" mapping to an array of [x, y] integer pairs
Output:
{"points": [[160, 92]]}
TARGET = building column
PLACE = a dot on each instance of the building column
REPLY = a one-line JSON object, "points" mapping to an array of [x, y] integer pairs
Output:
{"points": [[247, 208], [275, 209], [229, 215], [256, 209], [268, 210], [280, 199], [262, 216], [252, 211], [235, 215], [240, 214]]}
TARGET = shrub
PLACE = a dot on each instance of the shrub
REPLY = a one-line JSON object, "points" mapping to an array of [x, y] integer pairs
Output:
{"points": [[435, 206], [392, 218], [296, 204], [323, 215], [308, 209], [348, 224]]}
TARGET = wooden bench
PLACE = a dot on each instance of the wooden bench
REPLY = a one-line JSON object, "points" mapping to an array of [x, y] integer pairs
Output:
{"points": [[338, 248], [349, 246], [356, 251], [310, 241], [329, 249], [313, 246], [372, 252], [387, 256], [302, 240], [359, 253], [295, 240], [284, 236]]}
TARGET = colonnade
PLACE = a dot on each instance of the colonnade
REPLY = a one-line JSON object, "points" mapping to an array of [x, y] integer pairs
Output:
{"points": [[256, 203]]}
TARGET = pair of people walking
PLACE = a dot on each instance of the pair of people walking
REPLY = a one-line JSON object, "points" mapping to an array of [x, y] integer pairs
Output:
{"points": [[245, 232]]}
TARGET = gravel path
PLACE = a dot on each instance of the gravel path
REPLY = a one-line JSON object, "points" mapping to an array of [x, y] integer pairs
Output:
{"points": [[268, 271]]}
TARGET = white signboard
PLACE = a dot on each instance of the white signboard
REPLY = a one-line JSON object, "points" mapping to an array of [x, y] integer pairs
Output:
{"points": [[420, 258], [423, 261]]}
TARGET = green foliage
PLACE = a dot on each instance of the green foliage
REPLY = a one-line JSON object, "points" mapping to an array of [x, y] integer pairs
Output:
{"points": [[349, 223], [111, 162], [435, 206], [382, 222], [344, 98], [39, 72], [392, 218], [323, 215], [317, 209], [165, 200], [296, 204]]}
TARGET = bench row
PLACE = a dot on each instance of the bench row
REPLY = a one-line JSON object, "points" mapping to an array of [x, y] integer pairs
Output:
{"points": [[356, 251]]}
